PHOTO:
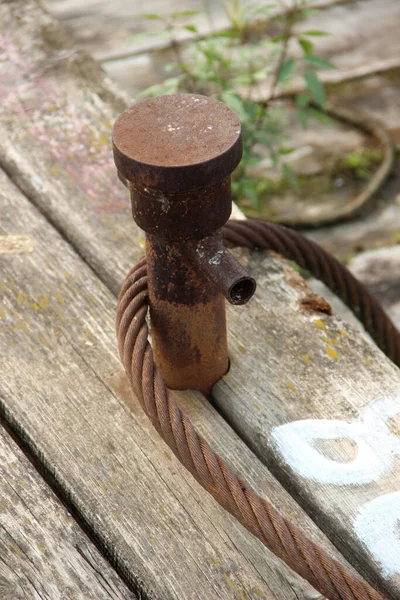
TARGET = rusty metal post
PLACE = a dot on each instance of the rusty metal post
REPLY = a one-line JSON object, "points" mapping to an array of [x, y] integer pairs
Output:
{"points": [[176, 154]]}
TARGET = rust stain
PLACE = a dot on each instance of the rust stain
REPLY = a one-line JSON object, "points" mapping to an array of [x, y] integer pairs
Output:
{"points": [[314, 303], [295, 280], [119, 383], [310, 302]]}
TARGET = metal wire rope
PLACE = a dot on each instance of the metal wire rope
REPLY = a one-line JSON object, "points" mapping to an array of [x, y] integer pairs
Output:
{"points": [[308, 559]]}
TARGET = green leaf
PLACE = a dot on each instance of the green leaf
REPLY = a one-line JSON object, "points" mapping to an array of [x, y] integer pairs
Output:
{"points": [[191, 28], [315, 87], [184, 13], [279, 38], [314, 33], [306, 45], [144, 35], [287, 69], [234, 102], [302, 115], [283, 151], [168, 86], [261, 74], [151, 17], [302, 100], [290, 176], [242, 79], [318, 62], [320, 116]]}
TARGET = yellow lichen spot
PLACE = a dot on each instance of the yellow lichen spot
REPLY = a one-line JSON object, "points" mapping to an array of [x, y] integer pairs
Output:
{"points": [[55, 170], [141, 242], [258, 591], [229, 580], [290, 385], [242, 349], [20, 327], [320, 324], [22, 298], [44, 301], [36, 307], [43, 340], [217, 563], [367, 361], [163, 512], [256, 406], [15, 549], [305, 358], [59, 297], [3, 287], [103, 139], [331, 352], [2, 313], [343, 332]]}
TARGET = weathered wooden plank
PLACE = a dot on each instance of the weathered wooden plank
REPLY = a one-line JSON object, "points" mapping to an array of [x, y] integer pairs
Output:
{"points": [[379, 271], [44, 554], [63, 391], [107, 31], [321, 408], [354, 27], [310, 367]]}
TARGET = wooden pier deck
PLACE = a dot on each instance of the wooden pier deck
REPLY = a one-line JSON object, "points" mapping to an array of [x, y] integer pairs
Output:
{"points": [[92, 503]]}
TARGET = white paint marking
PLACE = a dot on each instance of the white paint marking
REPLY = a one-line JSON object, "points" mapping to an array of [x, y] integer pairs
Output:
{"points": [[376, 445], [377, 525]]}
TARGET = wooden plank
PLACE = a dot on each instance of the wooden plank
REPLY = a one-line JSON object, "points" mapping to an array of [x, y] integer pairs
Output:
{"points": [[64, 393], [311, 366], [44, 554], [354, 39], [379, 271], [107, 31], [320, 408]]}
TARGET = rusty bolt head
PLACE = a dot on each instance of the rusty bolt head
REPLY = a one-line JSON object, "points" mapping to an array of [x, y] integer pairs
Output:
{"points": [[175, 154], [177, 143]]}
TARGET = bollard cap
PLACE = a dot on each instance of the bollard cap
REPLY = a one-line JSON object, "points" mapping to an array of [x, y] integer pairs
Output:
{"points": [[177, 143]]}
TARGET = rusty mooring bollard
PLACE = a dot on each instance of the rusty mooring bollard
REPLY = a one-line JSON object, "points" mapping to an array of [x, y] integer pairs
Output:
{"points": [[176, 154]]}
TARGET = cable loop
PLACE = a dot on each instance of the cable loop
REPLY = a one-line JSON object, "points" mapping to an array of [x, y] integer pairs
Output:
{"points": [[327, 575]]}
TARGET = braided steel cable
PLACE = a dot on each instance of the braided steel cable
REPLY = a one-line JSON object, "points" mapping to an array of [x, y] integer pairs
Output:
{"points": [[310, 561], [307, 254]]}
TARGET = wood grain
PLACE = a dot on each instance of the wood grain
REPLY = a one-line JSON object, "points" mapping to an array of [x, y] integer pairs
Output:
{"points": [[288, 364], [64, 394], [44, 554]]}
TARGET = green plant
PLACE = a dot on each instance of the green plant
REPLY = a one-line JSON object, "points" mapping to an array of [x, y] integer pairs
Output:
{"points": [[254, 54], [362, 162]]}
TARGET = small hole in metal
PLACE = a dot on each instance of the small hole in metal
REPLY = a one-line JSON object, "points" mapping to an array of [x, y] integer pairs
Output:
{"points": [[242, 291]]}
